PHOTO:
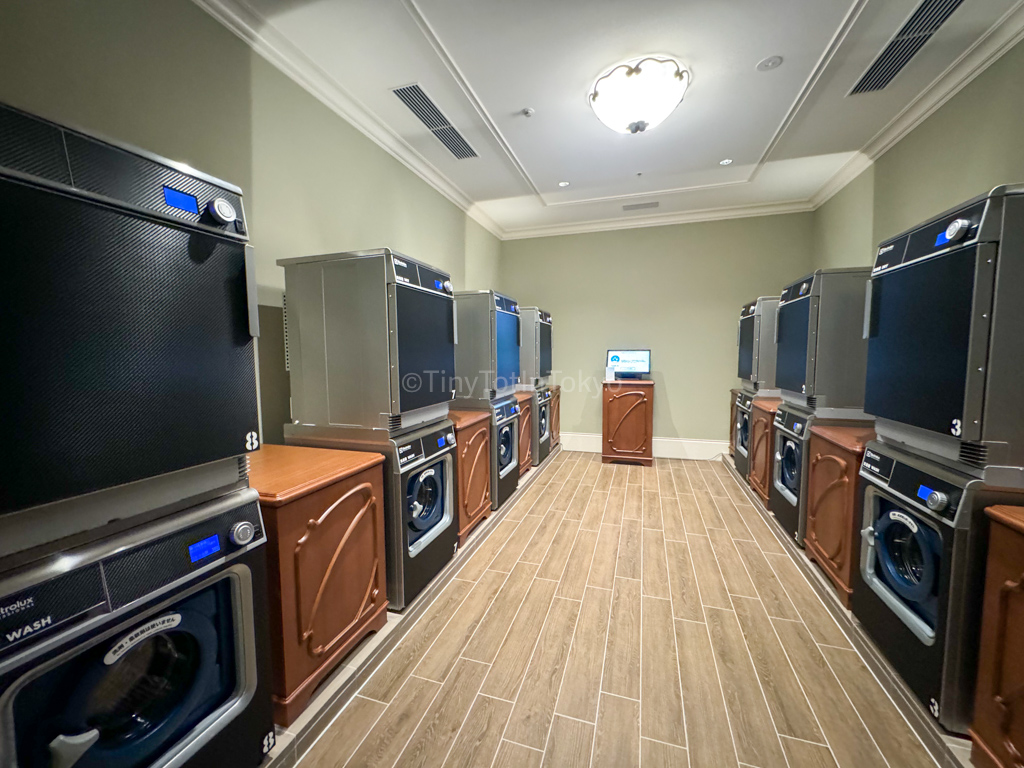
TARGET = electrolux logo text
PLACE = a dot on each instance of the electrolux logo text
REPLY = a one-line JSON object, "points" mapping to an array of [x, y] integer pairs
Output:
{"points": [[16, 607]]}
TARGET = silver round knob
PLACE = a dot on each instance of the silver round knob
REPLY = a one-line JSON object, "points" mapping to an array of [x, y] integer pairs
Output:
{"points": [[448, 288], [242, 533], [957, 229], [937, 501], [798, 428], [450, 438], [222, 211]]}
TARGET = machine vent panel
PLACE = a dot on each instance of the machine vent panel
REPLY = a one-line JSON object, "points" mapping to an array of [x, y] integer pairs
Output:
{"points": [[911, 37], [394, 422], [975, 454], [639, 206], [426, 110], [284, 312], [243, 467], [812, 401]]}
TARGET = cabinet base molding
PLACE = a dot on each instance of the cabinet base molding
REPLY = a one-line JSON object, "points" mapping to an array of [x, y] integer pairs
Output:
{"points": [[663, 447]]}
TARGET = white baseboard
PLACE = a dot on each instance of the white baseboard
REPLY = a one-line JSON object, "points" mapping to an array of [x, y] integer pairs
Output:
{"points": [[664, 447]]}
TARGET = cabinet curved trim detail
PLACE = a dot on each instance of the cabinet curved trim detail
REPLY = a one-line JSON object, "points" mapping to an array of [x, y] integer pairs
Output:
{"points": [[306, 631], [641, 399], [815, 503], [476, 463]]}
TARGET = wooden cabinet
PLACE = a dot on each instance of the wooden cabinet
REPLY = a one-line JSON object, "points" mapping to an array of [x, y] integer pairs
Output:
{"points": [[761, 442], [324, 514], [473, 466], [732, 420], [998, 727], [628, 417], [555, 415], [525, 400], [833, 527]]}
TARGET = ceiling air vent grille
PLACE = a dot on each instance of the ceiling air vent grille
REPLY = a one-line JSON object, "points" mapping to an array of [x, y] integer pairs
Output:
{"points": [[639, 206], [426, 110], [918, 30]]}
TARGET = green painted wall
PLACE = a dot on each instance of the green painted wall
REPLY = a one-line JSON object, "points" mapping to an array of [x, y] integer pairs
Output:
{"points": [[969, 145], [675, 289], [843, 233], [167, 77]]}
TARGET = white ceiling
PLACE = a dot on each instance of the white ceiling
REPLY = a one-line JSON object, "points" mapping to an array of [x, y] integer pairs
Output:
{"points": [[793, 133]]}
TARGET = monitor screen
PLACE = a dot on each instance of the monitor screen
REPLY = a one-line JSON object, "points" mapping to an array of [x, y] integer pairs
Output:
{"points": [[629, 360]]}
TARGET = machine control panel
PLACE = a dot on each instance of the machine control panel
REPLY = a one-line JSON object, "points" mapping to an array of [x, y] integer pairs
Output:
{"points": [[543, 396], [748, 310], [103, 584], [939, 235], [505, 410], [545, 317], [935, 493], [506, 304], [409, 272], [426, 447], [743, 401], [798, 290], [793, 421]]}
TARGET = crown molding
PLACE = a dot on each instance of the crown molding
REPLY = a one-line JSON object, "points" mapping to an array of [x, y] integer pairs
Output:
{"points": [[853, 168], [279, 51], [661, 220]]}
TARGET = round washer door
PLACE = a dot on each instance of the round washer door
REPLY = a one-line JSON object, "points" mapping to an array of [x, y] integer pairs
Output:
{"points": [[425, 498], [791, 464], [744, 436], [506, 444], [908, 553], [127, 702], [542, 420]]}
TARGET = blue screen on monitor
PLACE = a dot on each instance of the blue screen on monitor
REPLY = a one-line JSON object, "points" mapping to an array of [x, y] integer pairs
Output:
{"points": [[629, 360]]}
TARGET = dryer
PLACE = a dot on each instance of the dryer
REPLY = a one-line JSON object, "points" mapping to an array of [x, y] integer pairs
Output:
{"points": [[945, 329], [420, 533], [820, 360], [755, 339], [921, 574], [148, 648]]}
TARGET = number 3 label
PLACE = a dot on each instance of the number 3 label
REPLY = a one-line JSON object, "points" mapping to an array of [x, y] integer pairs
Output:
{"points": [[956, 429]]}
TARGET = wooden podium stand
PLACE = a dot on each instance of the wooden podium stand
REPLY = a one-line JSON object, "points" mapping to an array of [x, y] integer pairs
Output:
{"points": [[628, 416]]}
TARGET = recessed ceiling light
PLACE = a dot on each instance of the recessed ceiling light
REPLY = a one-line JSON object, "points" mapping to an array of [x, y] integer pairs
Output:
{"points": [[563, 183], [637, 96], [772, 62], [726, 161]]}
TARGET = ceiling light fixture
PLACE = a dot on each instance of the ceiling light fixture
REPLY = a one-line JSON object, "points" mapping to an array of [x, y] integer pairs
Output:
{"points": [[563, 183], [726, 161], [637, 96], [772, 62]]}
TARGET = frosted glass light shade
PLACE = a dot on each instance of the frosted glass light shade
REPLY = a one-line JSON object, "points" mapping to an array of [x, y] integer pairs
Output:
{"points": [[636, 97]]}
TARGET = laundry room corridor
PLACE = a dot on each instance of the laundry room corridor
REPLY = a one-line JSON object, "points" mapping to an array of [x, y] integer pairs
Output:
{"points": [[621, 616]]}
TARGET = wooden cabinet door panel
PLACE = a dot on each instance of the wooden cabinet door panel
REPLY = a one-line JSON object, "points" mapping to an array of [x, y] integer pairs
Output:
{"points": [[628, 421], [760, 452], [474, 448], [555, 418], [828, 506], [338, 566], [525, 437]]}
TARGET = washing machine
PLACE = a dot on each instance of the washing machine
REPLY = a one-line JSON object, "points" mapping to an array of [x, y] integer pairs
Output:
{"points": [[504, 449], [741, 452], [821, 356], [420, 533], [541, 426], [922, 573], [146, 649]]}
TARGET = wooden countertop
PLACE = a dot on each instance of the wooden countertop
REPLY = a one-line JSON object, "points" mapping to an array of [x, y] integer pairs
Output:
{"points": [[464, 418], [283, 473], [850, 438], [1011, 517], [524, 396], [766, 404]]}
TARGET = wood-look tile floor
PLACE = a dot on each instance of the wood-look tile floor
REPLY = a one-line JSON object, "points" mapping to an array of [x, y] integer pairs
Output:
{"points": [[623, 616]]}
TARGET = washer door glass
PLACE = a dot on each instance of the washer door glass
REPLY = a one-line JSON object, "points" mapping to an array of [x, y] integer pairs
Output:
{"points": [[506, 444], [909, 557], [127, 701], [542, 423], [425, 500], [744, 429], [791, 465]]}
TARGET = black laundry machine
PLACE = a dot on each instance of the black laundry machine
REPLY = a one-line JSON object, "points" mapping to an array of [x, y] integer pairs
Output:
{"points": [[945, 329], [541, 426], [505, 455], [420, 534], [147, 649], [741, 451], [126, 331], [919, 585]]}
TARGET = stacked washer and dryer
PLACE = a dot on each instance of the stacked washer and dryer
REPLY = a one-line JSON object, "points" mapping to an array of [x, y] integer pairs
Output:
{"points": [[756, 369], [487, 368], [370, 345], [945, 361], [820, 359], [132, 569], [535, 361]]}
